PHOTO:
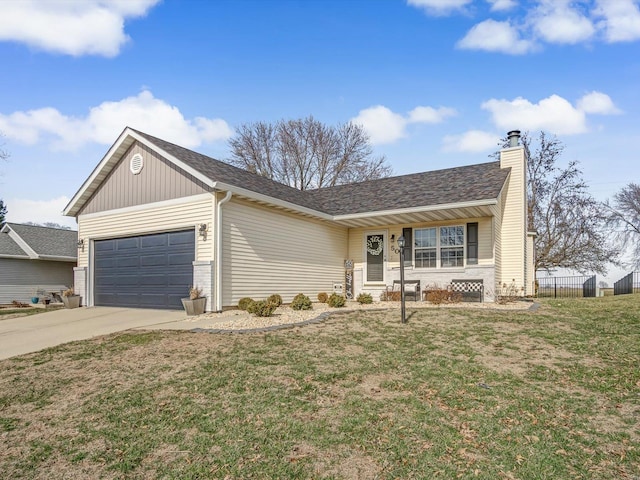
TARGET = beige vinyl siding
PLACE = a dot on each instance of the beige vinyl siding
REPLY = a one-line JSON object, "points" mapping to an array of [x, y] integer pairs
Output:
{"points": [[161, 217], [514, 218], [485, 239], [497, 234], [159, 180], [266, 251]]}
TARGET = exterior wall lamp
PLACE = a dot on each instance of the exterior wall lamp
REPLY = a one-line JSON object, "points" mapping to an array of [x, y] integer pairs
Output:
{"points": [[80, 243], [401, 243], [202, 230]]}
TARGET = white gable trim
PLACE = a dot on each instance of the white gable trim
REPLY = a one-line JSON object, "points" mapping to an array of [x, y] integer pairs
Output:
{"points": [[21, 243]]}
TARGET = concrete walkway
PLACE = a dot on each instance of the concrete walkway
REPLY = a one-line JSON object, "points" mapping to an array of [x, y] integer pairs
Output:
{"points": [[33, 333]]}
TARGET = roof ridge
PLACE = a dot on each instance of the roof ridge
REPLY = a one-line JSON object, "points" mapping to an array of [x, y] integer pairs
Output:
{"points": [[41, 226]]}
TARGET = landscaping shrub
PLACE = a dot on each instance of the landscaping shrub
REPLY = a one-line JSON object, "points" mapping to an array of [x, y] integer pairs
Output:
{"points": [[323, 297], [390, 296], [262, 308], [244, 303], [275, 299], [365, 298], [508, 293], [301, 302], [336, 300], [442, 295]]}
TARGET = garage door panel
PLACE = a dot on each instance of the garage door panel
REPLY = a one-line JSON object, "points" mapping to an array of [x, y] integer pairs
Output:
{"points": [[130, 261], [151, 271], [157, 260], [151, 241], [127, 244], [181, 238], [180, 259]]}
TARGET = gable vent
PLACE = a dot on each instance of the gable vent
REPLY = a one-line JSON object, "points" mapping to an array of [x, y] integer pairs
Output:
{"points": [[136, 164]]}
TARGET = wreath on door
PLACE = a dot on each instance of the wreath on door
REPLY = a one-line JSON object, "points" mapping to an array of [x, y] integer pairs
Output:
{"points": [[377, 249]]}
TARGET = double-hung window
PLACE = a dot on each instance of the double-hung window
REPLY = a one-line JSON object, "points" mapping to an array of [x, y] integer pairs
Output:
{"points": [[439, 247], [452, 246], [426, 243]]}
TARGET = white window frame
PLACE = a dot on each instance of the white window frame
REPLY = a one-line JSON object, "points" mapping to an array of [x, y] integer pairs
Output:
{"points": [[439, 247]]}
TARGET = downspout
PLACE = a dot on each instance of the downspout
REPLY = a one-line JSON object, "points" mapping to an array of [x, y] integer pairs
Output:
{"points": [[218, 276]]}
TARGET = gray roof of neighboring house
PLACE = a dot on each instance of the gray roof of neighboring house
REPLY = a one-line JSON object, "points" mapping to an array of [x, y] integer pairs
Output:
{"points": [[452, 185], [46, 241], [10, 248]]}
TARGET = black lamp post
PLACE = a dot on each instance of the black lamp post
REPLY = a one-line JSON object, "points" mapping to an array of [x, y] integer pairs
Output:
{"points": [[401, 247]]}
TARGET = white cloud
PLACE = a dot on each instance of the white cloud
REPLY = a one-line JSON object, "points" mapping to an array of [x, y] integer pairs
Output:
{"points": [[439, 7], [105, 122], [598, 103], [554, 114], [494, 36], [386, 126], [430, 114], [39, 211], [473, 141], [500, 5], [71, 27], [621, 20], [558, 22]]}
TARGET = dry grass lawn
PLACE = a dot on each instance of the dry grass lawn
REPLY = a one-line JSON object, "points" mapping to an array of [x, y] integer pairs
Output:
{"points": [[454, 393]]}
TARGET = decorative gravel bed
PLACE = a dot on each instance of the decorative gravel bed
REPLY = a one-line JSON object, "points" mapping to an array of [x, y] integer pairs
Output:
{"points": [[238, 320]]}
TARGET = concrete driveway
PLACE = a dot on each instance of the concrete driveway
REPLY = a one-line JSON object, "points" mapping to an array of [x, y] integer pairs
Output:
{"points": [[30, 334]]}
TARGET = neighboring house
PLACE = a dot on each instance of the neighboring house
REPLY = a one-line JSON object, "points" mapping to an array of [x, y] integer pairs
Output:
{"points": [[35, 259], [155, 218]]}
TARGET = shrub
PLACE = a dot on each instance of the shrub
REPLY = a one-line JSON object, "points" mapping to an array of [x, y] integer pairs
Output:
{"points": [[439, 296], [275, 299], [301, 302], [261, 308], [508, 293], [68, 292], [364, 298], [336, 300], [195, 292], [244, 303], [390, 296], [323, 297]]}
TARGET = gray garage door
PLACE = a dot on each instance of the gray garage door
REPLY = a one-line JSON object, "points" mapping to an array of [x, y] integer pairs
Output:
{"points": [[149, 271]]}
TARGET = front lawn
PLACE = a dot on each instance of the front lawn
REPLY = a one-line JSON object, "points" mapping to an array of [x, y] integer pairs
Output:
{"points": [[452, 394]]}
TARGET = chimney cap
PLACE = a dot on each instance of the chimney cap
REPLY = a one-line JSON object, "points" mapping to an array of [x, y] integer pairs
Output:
{"points": [[514, 137]]}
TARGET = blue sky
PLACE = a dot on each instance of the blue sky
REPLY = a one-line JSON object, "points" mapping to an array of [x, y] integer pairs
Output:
{"points": [[436, 83]]}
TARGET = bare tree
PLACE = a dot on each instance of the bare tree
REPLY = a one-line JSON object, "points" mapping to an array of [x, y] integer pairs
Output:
{"points": [[306, 153], [3, 212], [3, 208], [624, 218], [569, 222], [49, 225]]}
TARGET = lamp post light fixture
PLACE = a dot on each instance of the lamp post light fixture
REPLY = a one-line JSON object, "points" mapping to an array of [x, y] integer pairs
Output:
{"points": [[401, 247]]}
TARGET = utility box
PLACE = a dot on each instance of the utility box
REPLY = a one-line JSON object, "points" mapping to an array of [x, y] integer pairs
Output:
{"points": [[338, 288]]}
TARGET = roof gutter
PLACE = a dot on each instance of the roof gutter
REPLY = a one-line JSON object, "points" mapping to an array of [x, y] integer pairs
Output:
{"points": [[218, 259]]}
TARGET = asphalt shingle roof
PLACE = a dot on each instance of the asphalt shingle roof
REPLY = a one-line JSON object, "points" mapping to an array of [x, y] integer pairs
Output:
{"points": [[9, 247], [452, 185], [47, 241]]}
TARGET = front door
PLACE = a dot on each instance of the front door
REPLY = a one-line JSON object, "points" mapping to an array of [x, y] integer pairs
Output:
{"points": [[375, 257]]}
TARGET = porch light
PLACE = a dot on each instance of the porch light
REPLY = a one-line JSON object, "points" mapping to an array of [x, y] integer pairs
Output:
{"points": [[401, 247], [80, 243]]}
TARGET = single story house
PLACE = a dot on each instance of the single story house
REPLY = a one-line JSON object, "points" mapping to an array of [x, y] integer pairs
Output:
{"points": [[154, 218], [35, 261]]}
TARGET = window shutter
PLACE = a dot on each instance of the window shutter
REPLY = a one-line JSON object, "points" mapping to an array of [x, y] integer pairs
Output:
{"points": [[407, 233], [472, 243]]}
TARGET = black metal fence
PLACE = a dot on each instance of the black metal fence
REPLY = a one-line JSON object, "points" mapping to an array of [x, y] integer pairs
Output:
{"points": [[566, 287], [627, 284]]}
